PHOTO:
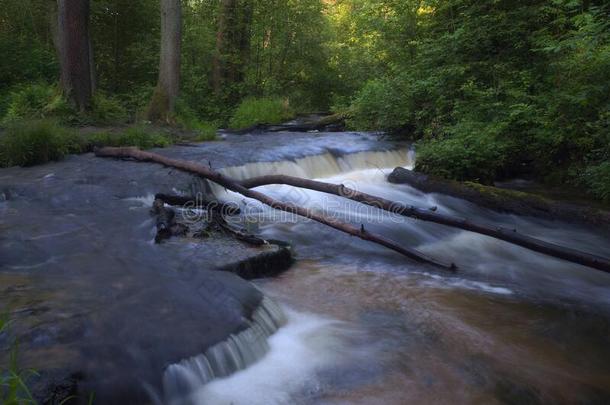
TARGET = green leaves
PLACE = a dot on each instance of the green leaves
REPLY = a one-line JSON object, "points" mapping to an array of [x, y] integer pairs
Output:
{"points": [[13, 380], [267, 110], [34, 142]]}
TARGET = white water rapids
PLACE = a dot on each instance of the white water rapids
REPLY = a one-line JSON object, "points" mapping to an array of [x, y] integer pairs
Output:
{"points": [[364, 325]]}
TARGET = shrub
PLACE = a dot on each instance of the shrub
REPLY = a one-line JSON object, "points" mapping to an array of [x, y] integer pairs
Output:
{"points": [[138, 136], [596, 178], [379, 106], [36, 142], [106, 110], [465, 156], [41, 100], [266, 110], [187, 119], [35, 101], [206, 131]]}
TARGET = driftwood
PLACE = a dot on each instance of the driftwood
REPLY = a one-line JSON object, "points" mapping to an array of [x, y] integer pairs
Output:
{"points": [[243, 187], [239, 234], [233, 185], [502, 200], [166, 222], [505, 234], [329, 123]]}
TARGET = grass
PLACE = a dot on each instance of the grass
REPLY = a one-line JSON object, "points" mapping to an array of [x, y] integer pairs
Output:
{"points": [[13, 380], [187, 119], [36, 142], [266, 110], [137, 135]]}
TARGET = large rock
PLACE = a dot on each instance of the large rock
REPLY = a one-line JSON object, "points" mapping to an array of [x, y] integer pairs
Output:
{"points": [[97, 306]]}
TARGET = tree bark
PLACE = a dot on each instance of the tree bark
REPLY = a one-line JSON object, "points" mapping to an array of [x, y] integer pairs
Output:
{"points": [[225, 20], [243, 187], [232, 44], [166, 93], [74, 45], [233, 185], [505, 234]]}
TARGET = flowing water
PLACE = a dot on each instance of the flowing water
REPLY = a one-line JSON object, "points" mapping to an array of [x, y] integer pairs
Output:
{"points": [[356, 323], [367, 326]]}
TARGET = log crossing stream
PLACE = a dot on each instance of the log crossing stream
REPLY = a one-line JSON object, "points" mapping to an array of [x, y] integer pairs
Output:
{"points": [[350, 322], [511, 326]]}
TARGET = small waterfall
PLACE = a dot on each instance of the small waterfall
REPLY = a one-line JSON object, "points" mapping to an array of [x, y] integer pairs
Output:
{"points": [[312, 167], [225, 358], [324, 165]]}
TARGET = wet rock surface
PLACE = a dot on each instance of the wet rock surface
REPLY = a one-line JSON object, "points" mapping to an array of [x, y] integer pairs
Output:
{"points": [[97, 305]]}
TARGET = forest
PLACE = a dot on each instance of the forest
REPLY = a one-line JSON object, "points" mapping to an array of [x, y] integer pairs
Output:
{"points": [[277, 202], [488, 90]]}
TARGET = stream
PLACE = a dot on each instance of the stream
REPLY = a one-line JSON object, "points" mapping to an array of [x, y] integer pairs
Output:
{"points": [[512, 326], [360, 324]]}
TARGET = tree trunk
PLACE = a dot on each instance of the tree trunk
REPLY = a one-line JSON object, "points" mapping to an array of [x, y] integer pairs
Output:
{"points": [[225, 20], [497, 232], [233, 185], [243, 187], [74, 45], [232, 45], [244, 40], [164, 98]]}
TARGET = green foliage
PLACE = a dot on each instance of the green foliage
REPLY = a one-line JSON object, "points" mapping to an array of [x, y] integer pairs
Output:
{"points": [[596, 178], [266, 110], [36, 142], [527, 77], [27, 52], [13, 380], [187, 119], [380, 105], [41, 100], [139, 136], [467, 156], [36, 101], [105, 110], [494, 89]]}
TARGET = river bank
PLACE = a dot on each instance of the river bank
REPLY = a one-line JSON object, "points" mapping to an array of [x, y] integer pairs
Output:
{"points": [[100, 307]]}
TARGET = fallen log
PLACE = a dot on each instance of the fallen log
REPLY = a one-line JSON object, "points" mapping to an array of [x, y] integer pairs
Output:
{"points": [[505, 234], [330, 123], [233, 185], [502, 200]]}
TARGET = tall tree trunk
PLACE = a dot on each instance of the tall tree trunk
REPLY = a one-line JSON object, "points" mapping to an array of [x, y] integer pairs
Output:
{"points": [[164, 98], [244, 37], [75, 56], [232, 44], [223, 44]]}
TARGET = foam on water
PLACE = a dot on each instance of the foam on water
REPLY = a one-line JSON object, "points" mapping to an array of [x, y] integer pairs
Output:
{"points": [[444, 282], [225, 358], [305, 345], [264, 364], [324, 165]]}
